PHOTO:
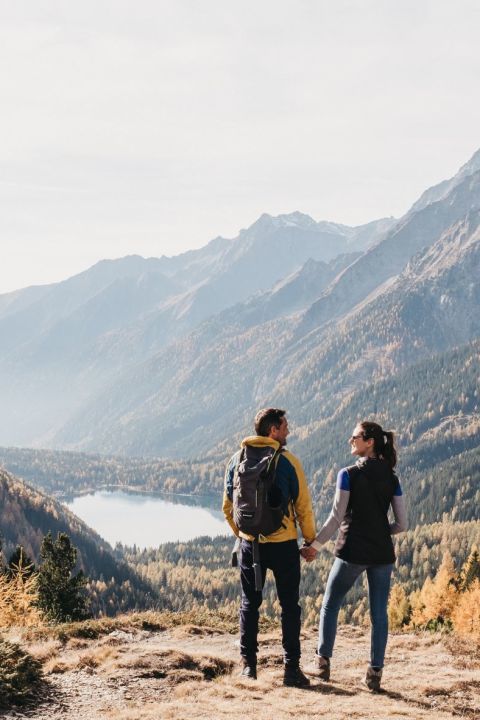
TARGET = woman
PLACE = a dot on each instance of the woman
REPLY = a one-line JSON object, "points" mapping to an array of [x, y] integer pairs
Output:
{"points": [[365, 491]]}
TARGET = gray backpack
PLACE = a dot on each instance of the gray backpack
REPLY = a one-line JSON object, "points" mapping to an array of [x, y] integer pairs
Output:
{"points": [[257, 501]]}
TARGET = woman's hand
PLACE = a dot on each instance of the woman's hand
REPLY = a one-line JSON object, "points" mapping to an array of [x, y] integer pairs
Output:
{"points": [[308, 553]]}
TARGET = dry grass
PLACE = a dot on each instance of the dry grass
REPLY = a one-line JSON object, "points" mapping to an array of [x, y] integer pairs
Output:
{"points": [[128, 672], [45, 651], [176, 666], [198, 622], [466, 652]]}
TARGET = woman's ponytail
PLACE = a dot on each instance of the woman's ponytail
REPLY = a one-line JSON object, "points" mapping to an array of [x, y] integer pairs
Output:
{"points": [[389, 450]]}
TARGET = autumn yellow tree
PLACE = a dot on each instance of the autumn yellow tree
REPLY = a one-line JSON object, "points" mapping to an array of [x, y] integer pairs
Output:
{"points": [[434, 605], [399, 608], [466, 614], [19, 597]]}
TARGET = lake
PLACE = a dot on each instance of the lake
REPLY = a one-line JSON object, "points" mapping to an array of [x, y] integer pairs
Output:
{"points": [[148, 520]]}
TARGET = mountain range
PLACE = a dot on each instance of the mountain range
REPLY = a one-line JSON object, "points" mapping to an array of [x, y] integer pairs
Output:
{"points": [[64, 343], [172, 356]]}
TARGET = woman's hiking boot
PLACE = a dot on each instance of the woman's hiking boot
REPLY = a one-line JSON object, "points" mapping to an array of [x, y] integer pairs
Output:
{"points": [[373, 678], [294, 677], [320, 668]]}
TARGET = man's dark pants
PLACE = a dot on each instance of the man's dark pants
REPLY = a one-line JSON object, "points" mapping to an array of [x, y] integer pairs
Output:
{"points": [[283, 559]]}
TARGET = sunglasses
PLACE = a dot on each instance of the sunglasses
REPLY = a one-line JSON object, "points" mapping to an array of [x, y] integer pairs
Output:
{"points": [[356, 437]]}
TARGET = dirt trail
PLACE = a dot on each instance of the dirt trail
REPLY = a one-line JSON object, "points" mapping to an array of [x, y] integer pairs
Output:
{"points": [[192, 672]]}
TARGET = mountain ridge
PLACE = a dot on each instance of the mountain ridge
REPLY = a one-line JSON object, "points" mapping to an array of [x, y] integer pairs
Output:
{"points": [[65, 342], [207, 336], [406, 322]]}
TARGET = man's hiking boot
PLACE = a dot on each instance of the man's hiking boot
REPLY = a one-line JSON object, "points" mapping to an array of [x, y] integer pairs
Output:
{"points": [[320, 668], [249, 670], [294, 677], [373, 679]]}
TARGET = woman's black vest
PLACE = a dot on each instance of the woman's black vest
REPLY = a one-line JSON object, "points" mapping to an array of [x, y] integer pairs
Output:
{"points": [[364, 536]]}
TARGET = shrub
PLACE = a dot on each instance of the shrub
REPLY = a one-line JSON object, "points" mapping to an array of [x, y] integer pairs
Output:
{"points": [[20, 674]]}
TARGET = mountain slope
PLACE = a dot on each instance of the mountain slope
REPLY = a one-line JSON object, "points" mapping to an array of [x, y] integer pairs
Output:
{"points": [[64, 343], [409, 236], [437, 192], [187, 398], [241, 323], [28, 515]]}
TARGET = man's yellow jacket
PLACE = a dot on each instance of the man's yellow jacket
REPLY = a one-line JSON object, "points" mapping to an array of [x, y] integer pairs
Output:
{"points": [[290, 479]]}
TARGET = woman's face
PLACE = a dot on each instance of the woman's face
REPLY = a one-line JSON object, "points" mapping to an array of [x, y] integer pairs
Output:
{"points": [[359, 446]]}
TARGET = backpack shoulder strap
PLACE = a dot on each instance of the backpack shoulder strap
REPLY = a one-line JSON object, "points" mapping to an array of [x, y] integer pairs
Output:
{"points": [[240, 458], [272, 464]]}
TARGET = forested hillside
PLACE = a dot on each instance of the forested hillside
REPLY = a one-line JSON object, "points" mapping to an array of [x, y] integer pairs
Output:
{"points": [[63, 473], [197, 573], [434, 407], [28, 515]]}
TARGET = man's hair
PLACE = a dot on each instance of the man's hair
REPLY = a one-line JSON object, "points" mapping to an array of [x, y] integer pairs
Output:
{"points": [[266, 418]]}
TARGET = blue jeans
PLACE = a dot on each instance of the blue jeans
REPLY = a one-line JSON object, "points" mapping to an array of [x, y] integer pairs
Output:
{"points": [[342, 576]]}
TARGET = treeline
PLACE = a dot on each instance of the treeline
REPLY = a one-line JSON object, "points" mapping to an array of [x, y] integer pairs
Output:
{"points": [[62, 473], [450, 600], [198, 573], [56, 590]]}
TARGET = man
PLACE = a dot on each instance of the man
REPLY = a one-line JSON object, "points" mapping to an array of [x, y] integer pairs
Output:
{"points": [[278, 551]]}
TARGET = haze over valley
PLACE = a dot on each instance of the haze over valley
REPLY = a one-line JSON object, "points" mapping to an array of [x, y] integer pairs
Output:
{"points": [[144, 374], [170, 357]]}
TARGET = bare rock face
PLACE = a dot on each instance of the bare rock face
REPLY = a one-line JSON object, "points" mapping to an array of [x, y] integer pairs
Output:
{"points": [[438, 192], [388, 258]]}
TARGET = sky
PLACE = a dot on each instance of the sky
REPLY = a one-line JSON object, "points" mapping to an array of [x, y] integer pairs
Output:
{"points": [[150, 127]]}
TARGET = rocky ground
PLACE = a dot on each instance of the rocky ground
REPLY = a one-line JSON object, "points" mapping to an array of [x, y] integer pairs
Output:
{"points": [[191, 672]]}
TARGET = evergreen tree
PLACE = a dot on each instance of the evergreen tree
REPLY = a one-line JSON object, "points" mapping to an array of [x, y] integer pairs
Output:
{"points": [[61, 594], [20, 562]]}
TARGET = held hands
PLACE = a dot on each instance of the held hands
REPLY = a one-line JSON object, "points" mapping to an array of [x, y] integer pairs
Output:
{"points": [[308, 552]]}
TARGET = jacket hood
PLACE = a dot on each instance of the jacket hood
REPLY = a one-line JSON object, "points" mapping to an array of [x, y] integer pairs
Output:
{"points": [[260, 441]]}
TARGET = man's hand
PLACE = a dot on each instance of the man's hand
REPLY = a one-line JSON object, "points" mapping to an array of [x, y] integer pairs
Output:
{"points": [[308, 553]]}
